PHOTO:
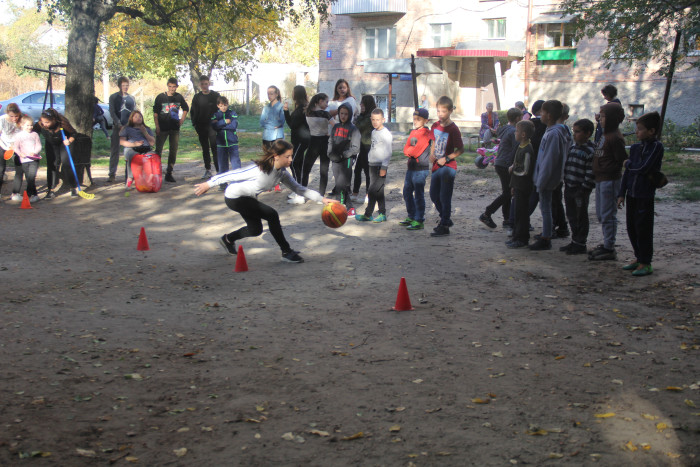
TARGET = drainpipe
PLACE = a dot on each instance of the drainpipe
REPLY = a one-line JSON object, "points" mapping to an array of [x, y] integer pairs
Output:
{"points": [[528, 38]]}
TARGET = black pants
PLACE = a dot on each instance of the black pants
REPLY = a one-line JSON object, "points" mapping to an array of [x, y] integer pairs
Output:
{"points": [[57, 162], [318, 147], [521, 208], [28, 169], [362, 166], [640, 227], [576, 201], [3, 164], [253, 212], [503, 200], [207, 139], [558, 213], [376, 191], [173, 137], [300, 152], [342, 171]]}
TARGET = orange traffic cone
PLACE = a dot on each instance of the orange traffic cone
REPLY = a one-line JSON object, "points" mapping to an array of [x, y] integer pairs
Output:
{"points": [[143, 241], [25, 201], [241, 263], [403, 301], [278, 187]]}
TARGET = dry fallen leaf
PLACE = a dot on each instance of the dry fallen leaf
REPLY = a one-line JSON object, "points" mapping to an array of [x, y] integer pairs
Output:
{"points": [[630, 446], [673, 388], [555, 455], [395, 428], [604, 415], [319, 433], [357, 435], [649, 417], [479, 400], [289, 436], [131, 459], [85, 452], [417, 381], [540, 432], [645, 446], [180, 452], [661, 426], [689, 403]]}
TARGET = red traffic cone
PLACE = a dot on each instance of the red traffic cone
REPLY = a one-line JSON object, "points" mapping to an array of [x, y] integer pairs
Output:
{"points": [[25, 201], [278, 187], [403, 301], [143, 241], [241, 263]]}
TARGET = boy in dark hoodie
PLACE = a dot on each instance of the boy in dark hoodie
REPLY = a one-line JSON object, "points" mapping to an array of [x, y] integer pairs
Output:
{"points": [[343, 147], [549, 168], [225, 122], [417, 149], [608, 159]]}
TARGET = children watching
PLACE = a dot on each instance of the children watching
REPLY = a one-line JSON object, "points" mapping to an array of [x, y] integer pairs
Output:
{"points": [[448, 146], [317, 117], [579, 181], [608, 158], [343, 146], [27, 146], [364, 124], [379, 157], [639, 186], [417, 149], [225, 122], [521, 183], [549, 168], [504, 159]]}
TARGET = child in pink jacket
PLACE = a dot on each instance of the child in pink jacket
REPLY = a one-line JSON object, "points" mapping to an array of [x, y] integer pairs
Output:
{"points": [[27, 146]]}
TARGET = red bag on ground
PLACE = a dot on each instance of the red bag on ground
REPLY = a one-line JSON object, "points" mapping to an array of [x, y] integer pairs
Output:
{"points": [[147, 172]]}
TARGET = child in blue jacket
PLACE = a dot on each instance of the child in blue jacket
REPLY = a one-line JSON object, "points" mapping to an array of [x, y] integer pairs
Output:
{"points": [[225, 123]]}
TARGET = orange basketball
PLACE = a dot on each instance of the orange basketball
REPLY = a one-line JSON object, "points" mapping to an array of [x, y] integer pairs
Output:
{"points": [[334, 215]]}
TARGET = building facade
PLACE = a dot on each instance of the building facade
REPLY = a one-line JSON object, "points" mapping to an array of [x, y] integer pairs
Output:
{"points": [[480, 48]]}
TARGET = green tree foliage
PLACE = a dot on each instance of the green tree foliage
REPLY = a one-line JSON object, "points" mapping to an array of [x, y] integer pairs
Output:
{"points": [[640, 30], [299, 44]]}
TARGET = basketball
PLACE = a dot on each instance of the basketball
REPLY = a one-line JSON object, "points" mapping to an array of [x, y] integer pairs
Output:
{"points": [[334, 215]]}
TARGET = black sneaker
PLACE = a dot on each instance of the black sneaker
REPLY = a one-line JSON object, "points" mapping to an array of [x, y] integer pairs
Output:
{"points": [[230, 247], [50, 195], [112, 179], [562, 233], [440, 231], [595, 251], [292, 257], [169, 177], [603, 254], [576, 249], [516, 244], [486, 219], [541, 244], [566, 248], [73, 192]]}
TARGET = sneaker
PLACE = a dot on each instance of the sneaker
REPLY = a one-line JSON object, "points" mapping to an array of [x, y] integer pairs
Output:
{"points": [[486, 219], [440, 231], [291, 195], [562, 233], [292, 257], [230, 247], [379, 218], [50, 195], [415, 225], [516, 244], [407, 221], [363, 218], [16, 197], [129, 182], [509, 232], [207, 174], [507, 225], [645, 271], [351, 212], [366, 199], [554, 236], [576, 249], [34, 199], [112, 179], [169, 178], [602, 254], [566, 248], [73, 192], [541, 244], [631, 266], [355, 197]]}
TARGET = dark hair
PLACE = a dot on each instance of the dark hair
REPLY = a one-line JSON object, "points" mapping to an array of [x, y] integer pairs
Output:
{"points": [[585, 125], [527, 127], [277, 90], [221, 100], [314, 102], [513, 114], [12, 107], [445, 101], [520, 105], [299, 96], [348, 109], [369, 102], [614, 115], [267, 161], [378, 111], [651, 121], [173, 81], [564, 110], [122, 79], [554, 108], [336, 96], [203, 78], [609, 91], [537, 107], [58, 119]]}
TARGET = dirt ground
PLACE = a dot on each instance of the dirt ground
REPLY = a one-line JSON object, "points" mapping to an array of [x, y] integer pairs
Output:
{"points": [[169, 357]]}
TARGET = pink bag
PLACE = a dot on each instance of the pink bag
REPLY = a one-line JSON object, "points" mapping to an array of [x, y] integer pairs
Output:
{"points": [[147, 172]]}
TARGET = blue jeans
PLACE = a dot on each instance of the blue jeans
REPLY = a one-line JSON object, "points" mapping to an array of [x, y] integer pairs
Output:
{"points": [[413, 193], [546, 210], [442, 182], [228, 155], [606, 209]]}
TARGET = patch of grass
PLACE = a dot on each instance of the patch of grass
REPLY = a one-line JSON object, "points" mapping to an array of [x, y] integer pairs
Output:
{"points": [[684, 170]]}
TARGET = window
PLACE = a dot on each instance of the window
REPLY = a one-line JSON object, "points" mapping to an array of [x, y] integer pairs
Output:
{"points": [[495, 28], [559, 35], [693, 47], [380, 42], [441, 34]]}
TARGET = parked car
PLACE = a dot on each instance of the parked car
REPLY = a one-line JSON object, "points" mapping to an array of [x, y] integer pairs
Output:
{"points": [[32, 104]]}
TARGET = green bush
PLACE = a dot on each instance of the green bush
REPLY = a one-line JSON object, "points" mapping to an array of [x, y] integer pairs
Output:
{"points": [[676, 137]]}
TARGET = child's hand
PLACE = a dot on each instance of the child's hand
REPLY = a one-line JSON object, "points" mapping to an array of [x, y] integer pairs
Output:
{"points": [[327, 201], [227, 120], [285, 106], [382, 173], [620, 202], [201, 188]]}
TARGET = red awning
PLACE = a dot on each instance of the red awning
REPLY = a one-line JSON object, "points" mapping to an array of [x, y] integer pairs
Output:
{"points": [[450, 52]]}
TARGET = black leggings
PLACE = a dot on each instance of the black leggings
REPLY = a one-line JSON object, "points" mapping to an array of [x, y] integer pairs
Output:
{"points": [[362, 165], [376, 191], [253, 211], [57, 160], [298, 161], [29, 170]]}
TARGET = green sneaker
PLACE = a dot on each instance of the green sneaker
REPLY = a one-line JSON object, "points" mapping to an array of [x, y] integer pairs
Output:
{"points": [[406, 222], [645, 271], [415, 225], [362, 218], [379, 218], [631, 266]]}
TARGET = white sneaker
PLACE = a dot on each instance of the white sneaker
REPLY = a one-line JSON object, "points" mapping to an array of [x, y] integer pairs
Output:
{"points": [[291, 195], [297, 199], [16, 197], [355, 198], [366, 199], [34, 199]]}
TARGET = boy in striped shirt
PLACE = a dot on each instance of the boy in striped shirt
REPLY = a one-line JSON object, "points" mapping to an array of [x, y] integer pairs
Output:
{"points": [[579, 181]]}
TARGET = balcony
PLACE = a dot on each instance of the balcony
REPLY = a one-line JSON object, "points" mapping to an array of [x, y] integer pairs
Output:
{"points": [[369, 7]]}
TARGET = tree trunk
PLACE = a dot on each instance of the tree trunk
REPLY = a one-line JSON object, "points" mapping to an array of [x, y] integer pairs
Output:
{"points": [[86, 18], [194, 76]]}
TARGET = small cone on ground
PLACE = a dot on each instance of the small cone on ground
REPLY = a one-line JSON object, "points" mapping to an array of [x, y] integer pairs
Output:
{"points": [[403, 301], [25, 201], [241, 263], [143, 241], [278, 187]]}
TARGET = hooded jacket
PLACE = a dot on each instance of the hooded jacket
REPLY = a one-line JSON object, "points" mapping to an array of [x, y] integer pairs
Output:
{"points": [[610, 153], [344, 142], [225, 132], [549, 169]]}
